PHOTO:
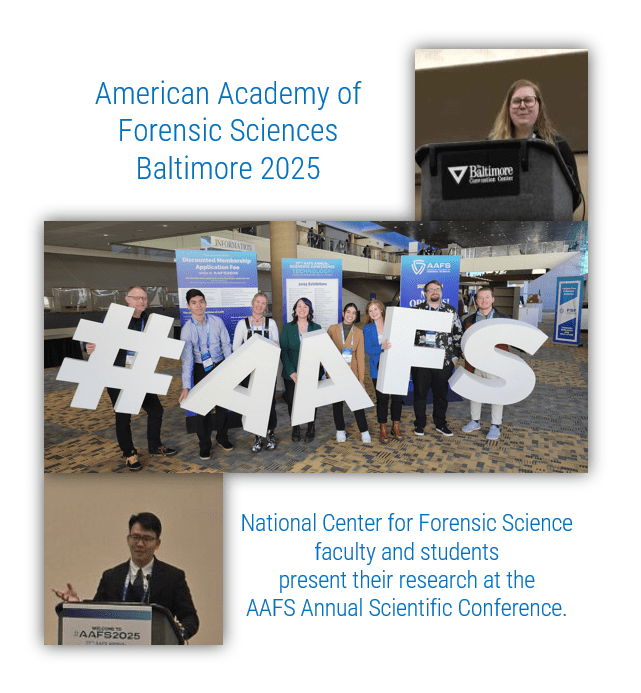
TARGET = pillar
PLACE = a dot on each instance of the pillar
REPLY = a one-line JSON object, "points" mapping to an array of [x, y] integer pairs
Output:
{"points": [[283, 242]]}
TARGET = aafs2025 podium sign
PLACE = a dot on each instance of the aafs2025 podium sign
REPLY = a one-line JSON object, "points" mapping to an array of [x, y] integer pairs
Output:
{"points": [[102, 624]]}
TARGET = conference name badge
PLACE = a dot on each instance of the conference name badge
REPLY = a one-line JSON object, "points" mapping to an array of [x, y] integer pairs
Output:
{"points": [[430, 339], [208, 362]]}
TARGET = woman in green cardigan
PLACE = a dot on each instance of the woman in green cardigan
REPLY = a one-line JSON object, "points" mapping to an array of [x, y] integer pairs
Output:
{"points": [[302, 322]]}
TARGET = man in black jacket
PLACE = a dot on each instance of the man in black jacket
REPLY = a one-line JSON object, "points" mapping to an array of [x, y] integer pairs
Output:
{"points": [[144, 578], [486, 311], [137, 299]]}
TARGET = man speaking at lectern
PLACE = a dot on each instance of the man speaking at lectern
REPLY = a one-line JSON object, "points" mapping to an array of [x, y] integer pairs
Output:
{"points": [[144, 578]]}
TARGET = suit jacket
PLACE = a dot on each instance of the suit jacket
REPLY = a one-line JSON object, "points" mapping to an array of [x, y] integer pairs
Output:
{"points": [[167, 587], [471, 320], [290, 347], [358, 350]]}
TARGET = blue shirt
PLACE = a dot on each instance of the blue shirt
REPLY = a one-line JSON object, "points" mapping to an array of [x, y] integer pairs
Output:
{"points": [[191, 333]]}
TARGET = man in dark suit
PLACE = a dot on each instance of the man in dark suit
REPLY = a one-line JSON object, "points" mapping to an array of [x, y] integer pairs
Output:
{"points": [[144, 578]]}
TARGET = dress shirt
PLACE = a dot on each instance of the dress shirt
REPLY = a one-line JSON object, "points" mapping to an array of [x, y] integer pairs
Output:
{"points": [[133, 570], [219, 344]]}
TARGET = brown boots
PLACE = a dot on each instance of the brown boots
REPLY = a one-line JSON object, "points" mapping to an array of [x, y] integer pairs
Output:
{"points": [[396, 430]]}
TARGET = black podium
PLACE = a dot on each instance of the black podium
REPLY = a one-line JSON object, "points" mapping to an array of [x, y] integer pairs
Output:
{"points": [[496, 180], [116, 623]]}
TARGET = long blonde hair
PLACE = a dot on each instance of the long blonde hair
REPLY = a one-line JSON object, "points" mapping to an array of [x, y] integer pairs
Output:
{"points": [[374, 302], [503, 128]]}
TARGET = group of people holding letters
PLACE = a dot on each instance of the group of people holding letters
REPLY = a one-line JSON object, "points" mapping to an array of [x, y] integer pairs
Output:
{"points": [[207, 344]]}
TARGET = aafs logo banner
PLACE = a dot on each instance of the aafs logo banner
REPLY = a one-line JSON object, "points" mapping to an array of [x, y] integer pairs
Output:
{"points": [[480, 174], [417, 271]]}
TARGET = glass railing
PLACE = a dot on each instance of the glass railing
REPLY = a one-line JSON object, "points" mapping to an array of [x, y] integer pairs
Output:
{"points": [[157, 253], [520, 249], [344, 247], [85, 299]]}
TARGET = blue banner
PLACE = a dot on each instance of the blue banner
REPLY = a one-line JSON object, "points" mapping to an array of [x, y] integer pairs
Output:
{"points": [[229, 281], [417, 270], [567, 314], [321, 281]]}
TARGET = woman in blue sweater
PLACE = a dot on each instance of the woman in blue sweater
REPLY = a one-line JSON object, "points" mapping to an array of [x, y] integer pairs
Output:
{"points": [[374, 346]]}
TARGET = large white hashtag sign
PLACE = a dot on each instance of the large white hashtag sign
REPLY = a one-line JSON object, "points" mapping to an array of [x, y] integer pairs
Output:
{"points": [[99, 372]]}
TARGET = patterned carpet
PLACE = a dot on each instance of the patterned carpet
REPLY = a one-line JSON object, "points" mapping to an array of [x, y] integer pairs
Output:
{"points": [[547, 432]]}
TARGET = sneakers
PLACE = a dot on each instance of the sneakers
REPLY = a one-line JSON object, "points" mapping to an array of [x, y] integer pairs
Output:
{"points": [[366, 437], [205, 454], [258, 444], [340, 436], [494, 433], [163, 451], [418, 431], [471, 426], [271, 440], [132, 462], [225, 444], [444, 430]]}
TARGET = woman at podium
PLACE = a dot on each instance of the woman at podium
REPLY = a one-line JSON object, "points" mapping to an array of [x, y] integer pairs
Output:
{"points": [[523, 116]]}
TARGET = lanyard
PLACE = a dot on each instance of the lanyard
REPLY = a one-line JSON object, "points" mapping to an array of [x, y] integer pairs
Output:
{"points": [[343, 335], [198, 336], [253, 329]]}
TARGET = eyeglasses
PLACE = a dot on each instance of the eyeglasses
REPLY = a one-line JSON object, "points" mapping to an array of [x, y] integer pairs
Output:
{"points": [[146, 540], [432, 291], [529, 101], [144, 299]]}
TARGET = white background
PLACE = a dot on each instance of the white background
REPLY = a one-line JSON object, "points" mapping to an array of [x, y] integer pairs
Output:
{"points": [[61, 161]]}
